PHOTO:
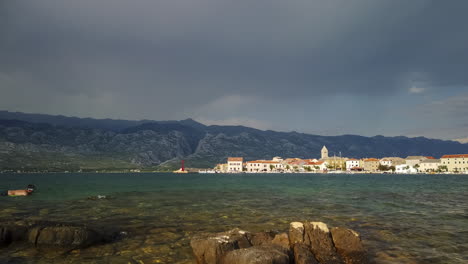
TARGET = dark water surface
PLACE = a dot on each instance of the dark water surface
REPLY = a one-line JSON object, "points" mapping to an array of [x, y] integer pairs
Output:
{"points": [[402, 218]]}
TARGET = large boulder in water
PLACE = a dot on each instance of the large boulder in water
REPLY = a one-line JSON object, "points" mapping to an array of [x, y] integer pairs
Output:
{"points": [[317, 236], [210, 248], [265, 254], [68, 237], [349, 245]]}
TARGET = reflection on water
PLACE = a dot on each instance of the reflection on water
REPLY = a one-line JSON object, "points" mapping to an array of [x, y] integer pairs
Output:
{"points": [[402, 218]]}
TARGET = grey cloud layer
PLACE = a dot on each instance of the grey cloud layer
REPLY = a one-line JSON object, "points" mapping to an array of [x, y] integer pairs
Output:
{"points": [[143, 56]]}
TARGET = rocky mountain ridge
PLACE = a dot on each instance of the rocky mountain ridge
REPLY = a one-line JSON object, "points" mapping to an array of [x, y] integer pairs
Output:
{"points": [[161, 144]]}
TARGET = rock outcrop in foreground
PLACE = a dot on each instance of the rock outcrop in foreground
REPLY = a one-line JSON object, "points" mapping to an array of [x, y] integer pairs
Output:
{"points": [[305, 243], [53, 235]]}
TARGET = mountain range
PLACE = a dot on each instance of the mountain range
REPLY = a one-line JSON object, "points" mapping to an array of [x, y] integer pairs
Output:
{"points": [[40, 142]]}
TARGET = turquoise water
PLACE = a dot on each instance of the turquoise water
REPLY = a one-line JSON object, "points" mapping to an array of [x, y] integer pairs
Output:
{"points": [[402, 218]]}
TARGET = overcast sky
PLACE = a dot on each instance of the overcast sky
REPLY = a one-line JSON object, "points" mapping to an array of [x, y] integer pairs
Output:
{"points": [[388, 67]]}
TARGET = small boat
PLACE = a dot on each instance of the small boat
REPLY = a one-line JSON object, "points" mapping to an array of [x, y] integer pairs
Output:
{"points": [[29, 190]]}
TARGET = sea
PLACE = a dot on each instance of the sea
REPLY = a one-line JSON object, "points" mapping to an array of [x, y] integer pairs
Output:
{"points": [[401, 218]]}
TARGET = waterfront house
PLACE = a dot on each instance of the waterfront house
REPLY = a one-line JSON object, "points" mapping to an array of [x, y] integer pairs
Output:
{"points": [[429, 165], [405, 168], [264, 166], [455, 162], [336, 163], [295, 164], [235, 164], [370, 164], [352, 163], [317, 165]]}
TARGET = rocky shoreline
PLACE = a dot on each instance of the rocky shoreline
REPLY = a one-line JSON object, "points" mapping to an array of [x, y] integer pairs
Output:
{"points": [[57, 236], [305, 243]]}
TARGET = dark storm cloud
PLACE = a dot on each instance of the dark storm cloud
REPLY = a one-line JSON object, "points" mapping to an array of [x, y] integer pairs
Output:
{"points": [[143, 56]]}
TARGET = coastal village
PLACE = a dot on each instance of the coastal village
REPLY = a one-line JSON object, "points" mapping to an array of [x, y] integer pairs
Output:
{"points": [[454, 163]]}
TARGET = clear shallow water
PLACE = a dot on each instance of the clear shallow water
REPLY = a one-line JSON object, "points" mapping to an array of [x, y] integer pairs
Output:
{"points": [[402, 218]]}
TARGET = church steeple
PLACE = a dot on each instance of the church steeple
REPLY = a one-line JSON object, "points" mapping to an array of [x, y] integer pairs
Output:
{"points": [[324, 152]]}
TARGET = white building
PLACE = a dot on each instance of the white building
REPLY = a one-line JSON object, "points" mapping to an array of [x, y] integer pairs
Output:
{"points": [[316, 166], [429, 165], [455, 163], [405, 169], [264, 166], [352, 163], [234, 164]]}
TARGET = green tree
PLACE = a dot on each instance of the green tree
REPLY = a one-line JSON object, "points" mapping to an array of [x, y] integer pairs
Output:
{"points": [[272, 167], [442, 168], [383, 167], [308, 168]]}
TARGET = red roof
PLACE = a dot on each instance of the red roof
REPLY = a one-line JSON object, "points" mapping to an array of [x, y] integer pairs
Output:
{"points": [[235, 159], [315, 163], [429, 157], [455, 156], [371, 159]]}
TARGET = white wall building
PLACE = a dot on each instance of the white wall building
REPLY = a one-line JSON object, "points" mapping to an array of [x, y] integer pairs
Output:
{"points": [[455, 163], [235, 164], [316, 166], [352, 163], [264, 166], [405, 169], [429, 165]]}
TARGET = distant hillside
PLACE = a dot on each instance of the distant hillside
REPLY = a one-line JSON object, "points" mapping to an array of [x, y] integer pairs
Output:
{"points": [[60, 120], [47, 142]]}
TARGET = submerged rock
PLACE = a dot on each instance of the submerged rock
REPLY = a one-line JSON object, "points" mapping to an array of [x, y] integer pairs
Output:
{"points": [[68, 237]]}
